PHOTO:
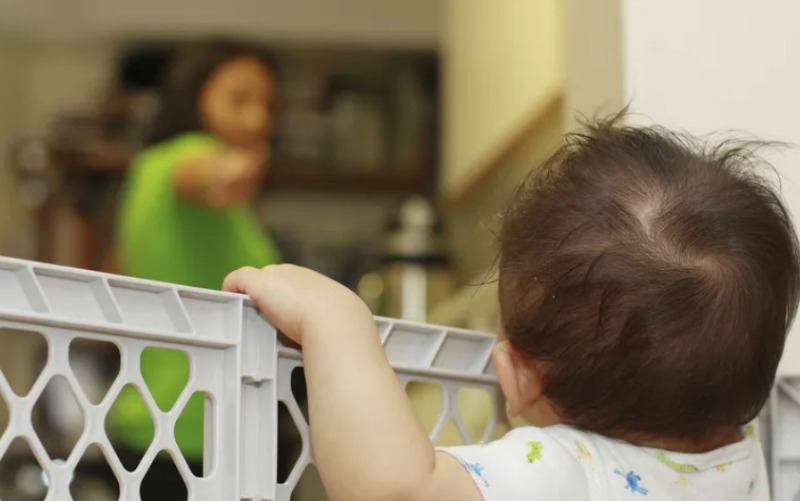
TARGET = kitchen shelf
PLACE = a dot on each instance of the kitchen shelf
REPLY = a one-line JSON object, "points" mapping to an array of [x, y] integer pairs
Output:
{"points": [[302, 178]]}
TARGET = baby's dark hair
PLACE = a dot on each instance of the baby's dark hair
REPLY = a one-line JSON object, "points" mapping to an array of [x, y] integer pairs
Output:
{"points": [[184, 79], [652, 279]]}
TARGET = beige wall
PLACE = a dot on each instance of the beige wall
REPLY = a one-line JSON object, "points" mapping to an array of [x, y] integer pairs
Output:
{"points": [[593, 49], [719, 80], [683, 65], [478, 218], [503, 62]]}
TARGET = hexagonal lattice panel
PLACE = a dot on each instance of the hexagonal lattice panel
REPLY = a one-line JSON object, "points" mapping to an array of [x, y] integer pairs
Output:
{"points": [[195, 422], [21, 474], [96, 366], [455, 414], [427, 399], [293, 439], [166, 373], [309, 487], [22, 358], [476, 408], [290, 443], [450, 435], [128, 442], [58, 418], [94, 479], [163, 481], [91, 383], [135, 360], [785, 430], [293, 447]]}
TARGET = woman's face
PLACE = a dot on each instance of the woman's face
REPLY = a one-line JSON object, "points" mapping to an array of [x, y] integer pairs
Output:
{"points": [[236, 103]]}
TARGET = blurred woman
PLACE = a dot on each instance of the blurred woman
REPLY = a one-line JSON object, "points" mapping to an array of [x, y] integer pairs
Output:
{"points": [[186, 216]]}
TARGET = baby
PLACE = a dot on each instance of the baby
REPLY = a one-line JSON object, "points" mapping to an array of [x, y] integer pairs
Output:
{"points": [[646, 287]]}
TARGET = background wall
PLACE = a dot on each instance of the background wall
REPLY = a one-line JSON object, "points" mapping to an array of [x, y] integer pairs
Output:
{"points": [[594, 58], [712, 77], [504, 61], [701, 66]]}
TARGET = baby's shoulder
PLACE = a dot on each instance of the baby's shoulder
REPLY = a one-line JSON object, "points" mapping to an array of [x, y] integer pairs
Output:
{"points": [[527, 460], [564, 445], [551, 452]]}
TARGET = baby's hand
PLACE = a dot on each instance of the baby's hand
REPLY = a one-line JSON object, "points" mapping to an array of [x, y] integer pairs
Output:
{"points": [[294, 298], [357, 409]]}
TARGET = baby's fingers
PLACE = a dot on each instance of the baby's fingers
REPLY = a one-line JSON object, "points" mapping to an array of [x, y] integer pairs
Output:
{"points": [[265, 287], [273, 289], [247, 280]]}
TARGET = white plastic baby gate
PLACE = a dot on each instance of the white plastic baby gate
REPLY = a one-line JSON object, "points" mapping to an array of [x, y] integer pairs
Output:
{"points": [[237, 361], [784, 446]]}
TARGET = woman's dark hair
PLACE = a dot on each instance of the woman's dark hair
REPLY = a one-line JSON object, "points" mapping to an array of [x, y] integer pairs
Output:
{"points": [[653, 278], [184, 79]]}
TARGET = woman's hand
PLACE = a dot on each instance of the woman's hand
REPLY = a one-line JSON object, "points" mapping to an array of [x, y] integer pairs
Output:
{"points": [[237, 178], [298, 300], [222, 180]]}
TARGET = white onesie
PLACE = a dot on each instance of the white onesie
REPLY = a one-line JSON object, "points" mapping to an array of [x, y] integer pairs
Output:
{"points": [[562, 463]]}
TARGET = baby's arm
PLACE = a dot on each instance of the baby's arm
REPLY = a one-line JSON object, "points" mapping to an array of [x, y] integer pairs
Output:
{"points": [[368, 443]]}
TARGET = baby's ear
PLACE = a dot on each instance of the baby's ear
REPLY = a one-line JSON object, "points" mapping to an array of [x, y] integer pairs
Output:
{"points": [[519, 378]]}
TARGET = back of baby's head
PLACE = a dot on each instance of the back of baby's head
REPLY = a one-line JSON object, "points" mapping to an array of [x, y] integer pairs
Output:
{"points": [[652, 279]]}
